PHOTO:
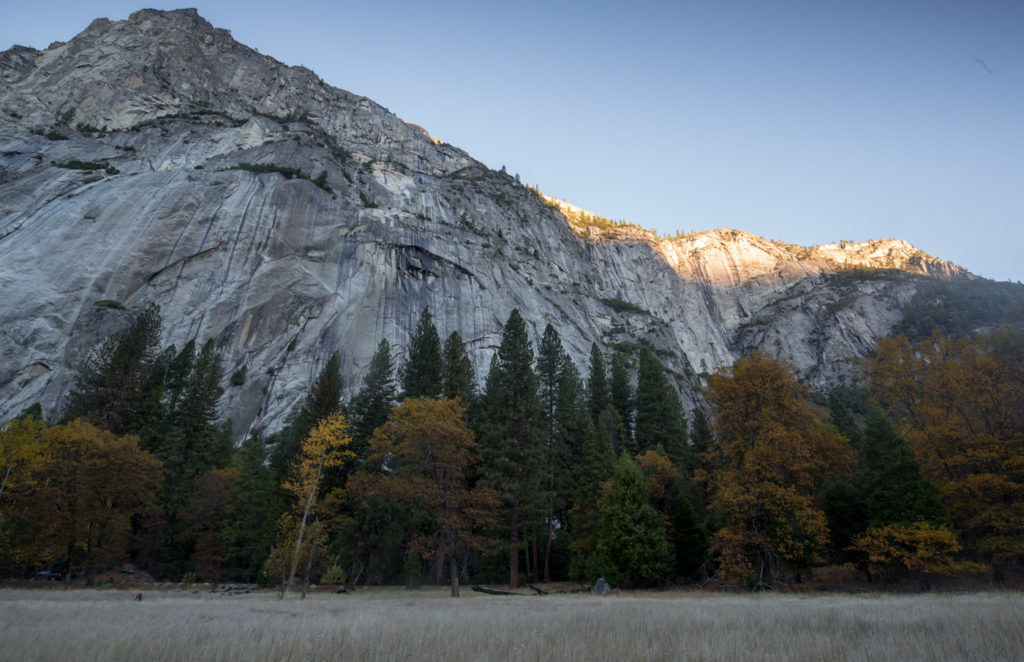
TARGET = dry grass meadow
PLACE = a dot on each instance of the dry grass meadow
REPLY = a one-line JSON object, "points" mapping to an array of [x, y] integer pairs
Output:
{"points": [[393, 624]]}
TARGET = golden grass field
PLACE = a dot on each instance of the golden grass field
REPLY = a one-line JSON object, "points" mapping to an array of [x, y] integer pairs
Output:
{"points": [[394, 624]]}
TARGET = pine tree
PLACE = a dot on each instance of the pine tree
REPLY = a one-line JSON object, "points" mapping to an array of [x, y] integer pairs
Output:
{"points": [[597, 383], [886, 488], [622, 395], [372, 404], [659, 418], [422, 374], [109, 388], [249, 520], [198, 411], [189, 444], [632, 548], [457, 378], [562, 426], [511, 434], [593, 469], [701, 436], [323, 399], [572, 415]]}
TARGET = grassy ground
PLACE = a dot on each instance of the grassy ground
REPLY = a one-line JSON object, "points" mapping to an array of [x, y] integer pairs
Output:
{"points": [[392, 624]]}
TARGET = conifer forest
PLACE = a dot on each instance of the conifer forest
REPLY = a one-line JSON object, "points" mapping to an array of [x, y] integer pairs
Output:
{"points": [[545, 472]]}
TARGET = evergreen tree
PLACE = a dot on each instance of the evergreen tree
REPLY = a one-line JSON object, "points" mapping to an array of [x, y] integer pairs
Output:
{"points": [[597, 383], [701, 436], [886, 488], [593, 469], [900, 493], [249, 520], [572, 414], [109, 387], [610, 420], [422, 374], [844, 420], [632, 548], [511, 434], [198, 411], [370, 407], [622, 394], [457, 378], [659, 418], [323, 399], [189, 445], [689, 534], [562, 424]]}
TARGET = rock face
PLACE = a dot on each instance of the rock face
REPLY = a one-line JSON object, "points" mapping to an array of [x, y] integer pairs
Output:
{"points": [[156, 159]]}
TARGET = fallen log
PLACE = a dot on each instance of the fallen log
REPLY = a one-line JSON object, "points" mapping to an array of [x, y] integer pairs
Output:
{"points": [[492, 591], [554, 591]]}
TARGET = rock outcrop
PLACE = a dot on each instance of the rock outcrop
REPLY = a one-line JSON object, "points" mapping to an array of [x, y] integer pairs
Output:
{"points": [[157, 159]]}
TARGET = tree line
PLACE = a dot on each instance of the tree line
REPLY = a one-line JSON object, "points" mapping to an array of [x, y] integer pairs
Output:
{"points": [[538, 474]]}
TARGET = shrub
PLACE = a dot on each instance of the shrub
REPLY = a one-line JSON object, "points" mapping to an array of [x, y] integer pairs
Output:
{"points": [[622, 306], [321, 181], [267, 168], [75, 164]]}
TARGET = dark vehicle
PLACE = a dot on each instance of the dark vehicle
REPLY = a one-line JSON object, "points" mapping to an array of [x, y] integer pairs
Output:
{"points": [[49, 575]]}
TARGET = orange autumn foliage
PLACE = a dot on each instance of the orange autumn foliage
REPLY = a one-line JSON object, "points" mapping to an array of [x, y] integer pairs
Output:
{"points": [[961, 410], [774, 449], [76, 496], [916, 549], [421, 455]]}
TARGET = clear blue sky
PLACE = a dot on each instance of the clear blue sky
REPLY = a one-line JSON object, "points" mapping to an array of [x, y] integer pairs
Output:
{"points": [[806, 121]]}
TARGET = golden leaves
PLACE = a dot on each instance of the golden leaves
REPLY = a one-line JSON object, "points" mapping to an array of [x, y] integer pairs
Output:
{"points": [[774, 450]]}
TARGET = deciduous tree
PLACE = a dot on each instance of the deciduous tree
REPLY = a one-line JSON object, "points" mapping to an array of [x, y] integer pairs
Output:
{"points": [[326, 446], [774, 448], [961, 409], [421, 455], [81, 497]]}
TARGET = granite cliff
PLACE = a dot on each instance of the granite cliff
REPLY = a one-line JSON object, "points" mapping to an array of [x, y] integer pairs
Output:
{"points": [[157, 159]]}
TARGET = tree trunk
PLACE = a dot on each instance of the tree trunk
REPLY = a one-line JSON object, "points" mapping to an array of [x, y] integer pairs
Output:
{"points": [[454, 561], [439, 571], [309, 559], [526, 555], [302, 525], [547, 548], [536, 566], [3, 483], [513, 559]]}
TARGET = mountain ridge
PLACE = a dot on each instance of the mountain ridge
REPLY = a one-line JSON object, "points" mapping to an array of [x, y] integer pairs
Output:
{"points": [[157, 159]]}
